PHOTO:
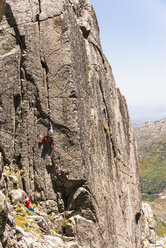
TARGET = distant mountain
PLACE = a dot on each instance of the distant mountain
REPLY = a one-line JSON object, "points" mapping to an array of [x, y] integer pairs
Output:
{"points": [[140, 114], [150, 132], [151, 140], [136, 123]]}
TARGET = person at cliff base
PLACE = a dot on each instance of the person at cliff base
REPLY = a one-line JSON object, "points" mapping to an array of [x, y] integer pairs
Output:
{"points": [[27, 203], [49, 136]]}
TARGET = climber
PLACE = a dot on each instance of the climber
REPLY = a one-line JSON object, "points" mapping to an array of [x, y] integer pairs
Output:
{"points": [[49, 136], [27, 203]]}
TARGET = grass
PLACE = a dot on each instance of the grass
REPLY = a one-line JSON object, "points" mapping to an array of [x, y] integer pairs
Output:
{"points": [[21, 221], [29, 212], [28, 229], [20, 210]]}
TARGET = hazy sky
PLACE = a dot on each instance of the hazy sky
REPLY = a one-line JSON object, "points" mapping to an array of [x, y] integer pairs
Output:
{"points": [[133, 37]]}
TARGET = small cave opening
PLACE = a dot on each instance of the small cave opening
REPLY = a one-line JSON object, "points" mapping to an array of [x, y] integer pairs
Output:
{"points": [[73, 94], [85, 32], [0, 99], [23, 42], [17, 100], [44, 66], [18, 162], [137, 217]]}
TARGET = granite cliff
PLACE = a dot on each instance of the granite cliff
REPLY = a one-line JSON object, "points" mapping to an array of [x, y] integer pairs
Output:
{"points": [[86, 188]]}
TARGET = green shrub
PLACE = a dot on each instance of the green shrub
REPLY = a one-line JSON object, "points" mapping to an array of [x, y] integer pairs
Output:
{"points": [[20, 205], [29, 212], [20, 210], [149, 198], [152, 169], [161, 229]]}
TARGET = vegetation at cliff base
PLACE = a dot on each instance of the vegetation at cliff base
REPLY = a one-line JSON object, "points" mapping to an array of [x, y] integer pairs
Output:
{"points": [[152, 169], [161, 229]]}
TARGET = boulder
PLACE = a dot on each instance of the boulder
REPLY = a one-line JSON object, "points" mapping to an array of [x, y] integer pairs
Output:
{"points": [[17, 196], [42, 223], [3, 213], [14, 180], [49, 206]]}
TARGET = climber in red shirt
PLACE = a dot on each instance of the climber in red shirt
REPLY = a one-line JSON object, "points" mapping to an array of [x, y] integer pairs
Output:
{"points": [[27, 203], [50, 135]]}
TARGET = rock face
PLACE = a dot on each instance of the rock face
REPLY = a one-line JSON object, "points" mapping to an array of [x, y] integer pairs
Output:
{"points": [[2, 8], [53, 71]]}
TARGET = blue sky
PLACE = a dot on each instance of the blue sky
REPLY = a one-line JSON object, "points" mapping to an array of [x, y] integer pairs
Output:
{"points": [[133, 37]]}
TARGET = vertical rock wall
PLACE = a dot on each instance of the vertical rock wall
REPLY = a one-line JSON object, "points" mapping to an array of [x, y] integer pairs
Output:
{"points": [[52, 70]]}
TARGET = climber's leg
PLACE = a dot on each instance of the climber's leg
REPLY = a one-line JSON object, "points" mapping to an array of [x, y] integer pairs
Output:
{"points": [[30, 208]]}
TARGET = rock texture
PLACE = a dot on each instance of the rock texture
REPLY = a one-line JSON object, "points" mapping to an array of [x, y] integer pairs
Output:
{"points": [[52, 70]]}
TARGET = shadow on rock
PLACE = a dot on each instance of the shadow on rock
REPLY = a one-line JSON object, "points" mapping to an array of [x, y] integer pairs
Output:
{"points": [[46, 148]]}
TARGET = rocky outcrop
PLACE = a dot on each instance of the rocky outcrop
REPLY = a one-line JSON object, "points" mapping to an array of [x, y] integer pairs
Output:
{"points": [[152, 222], [53, 71], [149, 235]]}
